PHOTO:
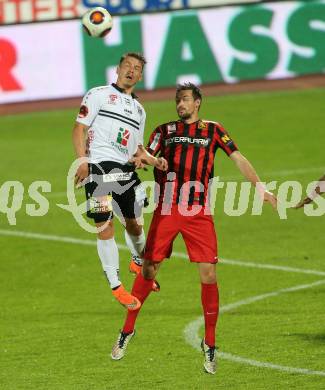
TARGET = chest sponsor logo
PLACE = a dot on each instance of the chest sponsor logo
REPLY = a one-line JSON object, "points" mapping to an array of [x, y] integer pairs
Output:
{"points": [[121, 141], [127, 101], [171, 128], [123, 137], [188, 140], [83, 112], [112, 99], [129, 112]]}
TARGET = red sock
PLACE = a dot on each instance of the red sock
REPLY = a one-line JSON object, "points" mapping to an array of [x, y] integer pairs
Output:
{"points": [[141, 289], [210, 303]]}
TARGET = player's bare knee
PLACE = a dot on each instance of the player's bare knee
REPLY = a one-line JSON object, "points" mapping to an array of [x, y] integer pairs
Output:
{"points": [[132, 227], [209, 279], [207, 273], [105, 235], [105, 231]]}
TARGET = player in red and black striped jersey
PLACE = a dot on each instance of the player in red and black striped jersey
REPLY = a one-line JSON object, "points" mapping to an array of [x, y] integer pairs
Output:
{"points": [[189, 145], [190, 149]]}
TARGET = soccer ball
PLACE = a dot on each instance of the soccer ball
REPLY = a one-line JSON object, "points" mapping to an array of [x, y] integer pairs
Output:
{"points": [[97, 22]]}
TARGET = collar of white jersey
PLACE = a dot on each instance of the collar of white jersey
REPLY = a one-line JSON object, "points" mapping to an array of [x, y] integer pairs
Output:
{"points": [[133, 95]]}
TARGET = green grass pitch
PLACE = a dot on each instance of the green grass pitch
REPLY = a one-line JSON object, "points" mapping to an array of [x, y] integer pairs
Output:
{"points": [[59, 320]]}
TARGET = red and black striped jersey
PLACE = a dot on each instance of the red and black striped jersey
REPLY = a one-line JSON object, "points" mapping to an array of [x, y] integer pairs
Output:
{"points": [[190, 150]]}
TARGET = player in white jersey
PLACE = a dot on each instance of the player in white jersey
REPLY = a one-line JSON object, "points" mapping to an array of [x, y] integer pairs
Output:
{"points": [[114, 123]]}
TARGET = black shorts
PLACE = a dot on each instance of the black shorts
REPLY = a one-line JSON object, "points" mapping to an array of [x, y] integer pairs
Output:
{"points": [[114, 188]]}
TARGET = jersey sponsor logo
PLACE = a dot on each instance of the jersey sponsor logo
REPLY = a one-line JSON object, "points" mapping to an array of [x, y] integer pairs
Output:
{"points": [[122, 140], [127, 101], [100, 204], [83, 112], [128, 111], [117, 176], [112, 99], [123, 137], [226, 139], [188, 140], [171, 128], [202, 125], [119, 147]]}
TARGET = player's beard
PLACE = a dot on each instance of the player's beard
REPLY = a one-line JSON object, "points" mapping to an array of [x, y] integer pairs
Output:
{"points": [[185, 115]]}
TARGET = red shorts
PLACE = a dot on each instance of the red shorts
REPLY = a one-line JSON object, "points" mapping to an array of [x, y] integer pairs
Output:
{"points": [[198, 233]]}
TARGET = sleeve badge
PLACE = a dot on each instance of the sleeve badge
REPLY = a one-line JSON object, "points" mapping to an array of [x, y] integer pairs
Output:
{"points": [[83, 112]]}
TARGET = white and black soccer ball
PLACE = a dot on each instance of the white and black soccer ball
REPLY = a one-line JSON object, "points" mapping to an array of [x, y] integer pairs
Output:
{"points": [[97, 22]]}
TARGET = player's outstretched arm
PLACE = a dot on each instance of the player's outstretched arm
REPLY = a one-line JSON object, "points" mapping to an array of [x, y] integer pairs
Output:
{"points": [[249, 172], [143, 157], [318, 190], [79, 143]]}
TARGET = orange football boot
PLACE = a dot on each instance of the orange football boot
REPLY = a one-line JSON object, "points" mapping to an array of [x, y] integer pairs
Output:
{"points": [[126, 299], [134, 267]]}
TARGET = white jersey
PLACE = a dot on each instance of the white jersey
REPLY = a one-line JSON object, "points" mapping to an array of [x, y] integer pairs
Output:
{"points": [[116, 122]]}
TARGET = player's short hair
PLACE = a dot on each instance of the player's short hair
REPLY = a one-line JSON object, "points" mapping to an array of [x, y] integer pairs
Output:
{"points": [[196, 92], [136, 55]]}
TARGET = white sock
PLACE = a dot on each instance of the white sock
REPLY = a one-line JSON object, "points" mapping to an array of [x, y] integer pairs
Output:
{"points": [[135, 243], [108, 254]]}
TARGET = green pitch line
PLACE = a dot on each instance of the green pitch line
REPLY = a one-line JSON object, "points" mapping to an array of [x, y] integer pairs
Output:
{"points": [[192, 329], [180, 255]]}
